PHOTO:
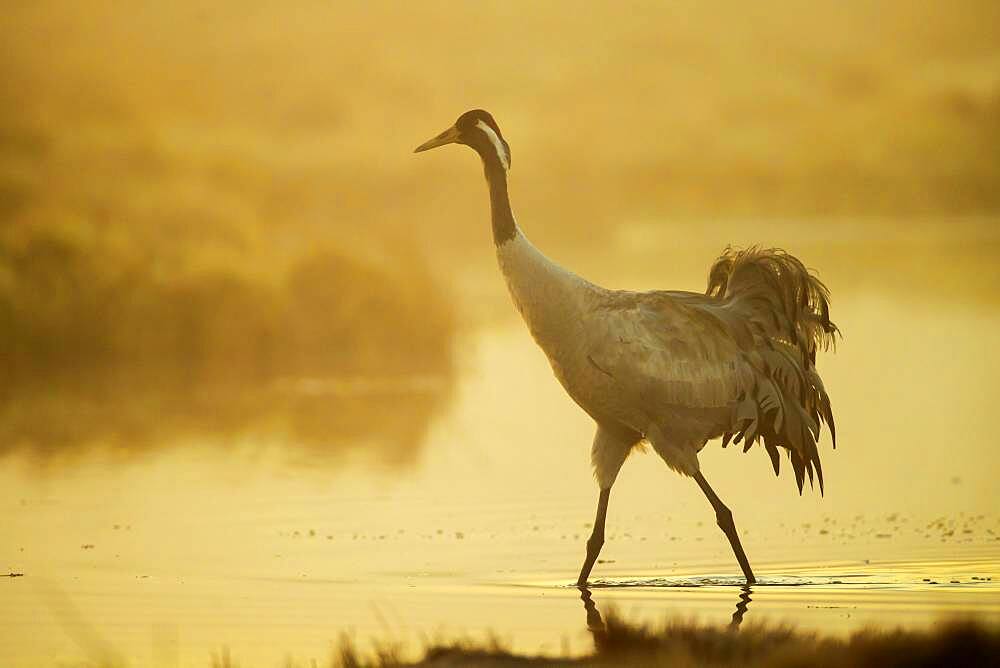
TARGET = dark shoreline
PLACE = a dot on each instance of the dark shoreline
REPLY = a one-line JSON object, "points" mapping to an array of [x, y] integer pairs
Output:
{"points": [[955, 642]]}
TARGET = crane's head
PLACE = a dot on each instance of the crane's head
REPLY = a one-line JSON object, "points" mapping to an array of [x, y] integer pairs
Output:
{"points": [[477, 129]]}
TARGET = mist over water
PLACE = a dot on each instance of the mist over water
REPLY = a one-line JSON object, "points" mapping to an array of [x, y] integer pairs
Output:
{"points": [[261, 382]]}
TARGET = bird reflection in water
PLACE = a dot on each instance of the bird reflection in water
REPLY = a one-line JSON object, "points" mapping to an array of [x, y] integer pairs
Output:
{"points": [[741, 607], [595, 624], [597, 627]]}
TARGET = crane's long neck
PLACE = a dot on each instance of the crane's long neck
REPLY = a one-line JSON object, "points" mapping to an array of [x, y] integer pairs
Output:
{"points": [[504, 225], [549, 298]]}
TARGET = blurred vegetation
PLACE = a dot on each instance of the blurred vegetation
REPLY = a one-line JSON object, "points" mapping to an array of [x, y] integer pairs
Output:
{"points": [[682, 644], [80, 296], [686, 644]]}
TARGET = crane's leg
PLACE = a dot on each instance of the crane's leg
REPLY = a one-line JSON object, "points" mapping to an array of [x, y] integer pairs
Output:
{"points": [[596, 540], [611, 446], [724, 518]]}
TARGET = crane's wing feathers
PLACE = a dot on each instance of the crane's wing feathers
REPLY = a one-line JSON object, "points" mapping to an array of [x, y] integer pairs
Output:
{"points": [[748, 344], [667, 350]]}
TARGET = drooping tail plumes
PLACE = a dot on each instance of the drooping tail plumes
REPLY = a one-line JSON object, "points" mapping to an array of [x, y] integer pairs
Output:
{"points": [[786, 312]]}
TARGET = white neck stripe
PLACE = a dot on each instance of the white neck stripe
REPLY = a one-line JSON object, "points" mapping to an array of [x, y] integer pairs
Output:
{"points": [[497, 144]]}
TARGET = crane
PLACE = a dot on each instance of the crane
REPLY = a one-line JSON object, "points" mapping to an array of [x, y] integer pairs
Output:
{"points": [[670, 368]]}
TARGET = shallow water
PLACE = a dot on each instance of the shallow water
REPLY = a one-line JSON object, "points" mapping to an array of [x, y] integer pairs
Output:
{"points": [[474, 521]]}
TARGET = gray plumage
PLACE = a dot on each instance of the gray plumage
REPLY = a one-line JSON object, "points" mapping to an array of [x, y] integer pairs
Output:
{"points": [[681, 368], [782, 315]]}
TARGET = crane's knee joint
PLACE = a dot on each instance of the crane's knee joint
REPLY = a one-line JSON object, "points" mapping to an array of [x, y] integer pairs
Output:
{"points": [[724, 517], [595, 543]]}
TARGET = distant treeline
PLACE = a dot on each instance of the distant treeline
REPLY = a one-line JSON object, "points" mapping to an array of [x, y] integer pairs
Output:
{"points": [[102, 346], [75, 299]]}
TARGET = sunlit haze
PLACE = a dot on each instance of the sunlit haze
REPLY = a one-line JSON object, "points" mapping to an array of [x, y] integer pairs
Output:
{"points": [[262, 383]]}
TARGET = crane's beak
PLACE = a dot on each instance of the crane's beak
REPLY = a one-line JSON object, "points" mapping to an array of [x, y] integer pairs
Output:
{"points": [[449, 136]]}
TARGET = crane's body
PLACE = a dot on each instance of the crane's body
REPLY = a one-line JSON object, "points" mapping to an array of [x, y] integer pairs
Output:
{"points": [[584, 329], [675, 369]]}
